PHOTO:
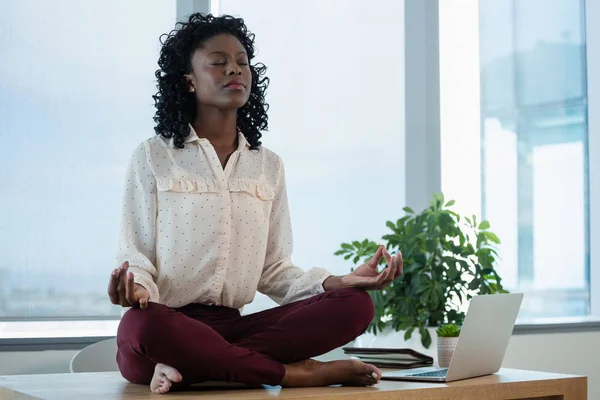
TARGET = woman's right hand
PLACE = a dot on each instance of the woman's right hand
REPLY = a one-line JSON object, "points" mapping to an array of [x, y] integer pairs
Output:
{"points": [[123, 291]]}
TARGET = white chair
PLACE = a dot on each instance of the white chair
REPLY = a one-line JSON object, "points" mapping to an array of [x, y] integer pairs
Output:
{"points": [[97, 357], [101, 357]]}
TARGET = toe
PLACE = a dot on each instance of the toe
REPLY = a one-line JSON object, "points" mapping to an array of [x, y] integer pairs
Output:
{"points": [[371, 369], [165, 385], [369, 379], [363, 381], [172, 374]]}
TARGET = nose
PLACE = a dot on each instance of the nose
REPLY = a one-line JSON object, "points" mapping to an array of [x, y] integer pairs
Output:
{"points": [[234, 69]]}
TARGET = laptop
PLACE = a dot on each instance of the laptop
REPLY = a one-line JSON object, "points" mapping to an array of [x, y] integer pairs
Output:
{"points": [[481, 345]]}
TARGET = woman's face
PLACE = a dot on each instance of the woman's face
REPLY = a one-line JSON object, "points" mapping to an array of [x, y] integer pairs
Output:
{"points": [[220, 74]]}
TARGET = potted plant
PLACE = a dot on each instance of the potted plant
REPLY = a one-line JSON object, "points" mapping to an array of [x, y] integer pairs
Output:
{"points": [[447, 260], [447, 337]]}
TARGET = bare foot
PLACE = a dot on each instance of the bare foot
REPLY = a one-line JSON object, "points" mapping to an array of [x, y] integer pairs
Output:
{"points": [[316, 373], [163, 378]]}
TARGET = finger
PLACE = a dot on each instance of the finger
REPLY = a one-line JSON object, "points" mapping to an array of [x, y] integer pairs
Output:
{"points": [[383, 275], [392, 274], [384, 279], [122, 267], [400, 265], [394, 266], [112, 286], [130, 289], [118, 281], [374, 261], [391, 265], [144, 302], [142, 296], [122, 288]]}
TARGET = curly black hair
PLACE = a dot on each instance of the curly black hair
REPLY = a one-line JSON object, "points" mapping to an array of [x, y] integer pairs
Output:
{"points": [[176, 106]]}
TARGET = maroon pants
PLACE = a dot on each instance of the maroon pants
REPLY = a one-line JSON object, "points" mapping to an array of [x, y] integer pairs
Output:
{"points": [[217, 343]]}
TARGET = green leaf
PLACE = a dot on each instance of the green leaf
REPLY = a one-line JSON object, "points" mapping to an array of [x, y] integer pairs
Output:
{"points": [[435, 299], [474, 284], [356, 244], [425, 337], [448, 330], [454, 316], [431, 245], [431, 222], [484, 225], [408, 210], [355, 260], [491, 237], [450, 203], [403, 220], [339, 252], [408, 333], [347, 246], [421, 258], [464, 265], [347, 256], [446, 222], [391, 225], [423, 290], [453, 272], [425, 297]]}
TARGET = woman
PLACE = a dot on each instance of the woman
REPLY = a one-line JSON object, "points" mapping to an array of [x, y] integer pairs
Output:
{"points": [[206, 224]]}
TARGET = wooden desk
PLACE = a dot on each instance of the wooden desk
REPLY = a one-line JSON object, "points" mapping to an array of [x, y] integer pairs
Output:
{"points": [[507, 384]]}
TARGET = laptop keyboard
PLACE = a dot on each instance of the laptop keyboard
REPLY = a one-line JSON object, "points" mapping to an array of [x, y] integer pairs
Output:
{"points": [[438, 373]]}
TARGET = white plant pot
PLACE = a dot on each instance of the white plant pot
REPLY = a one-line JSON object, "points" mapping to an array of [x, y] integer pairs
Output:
{"points": [[445, 350]]}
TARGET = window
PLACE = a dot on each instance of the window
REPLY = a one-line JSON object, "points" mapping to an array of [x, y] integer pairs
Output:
{"points": [[529, 143], [76, 81], [534, 136], [336, 118]]}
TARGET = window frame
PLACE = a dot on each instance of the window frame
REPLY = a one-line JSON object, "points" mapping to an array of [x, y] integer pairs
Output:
{"points": [[592, 10]]}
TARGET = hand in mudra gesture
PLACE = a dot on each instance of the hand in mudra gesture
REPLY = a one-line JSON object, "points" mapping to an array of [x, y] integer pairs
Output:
{"points": [[123, 291], [367, 277]]}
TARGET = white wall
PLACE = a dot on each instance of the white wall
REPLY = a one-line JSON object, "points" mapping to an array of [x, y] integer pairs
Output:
{"points": [[568, 353]]}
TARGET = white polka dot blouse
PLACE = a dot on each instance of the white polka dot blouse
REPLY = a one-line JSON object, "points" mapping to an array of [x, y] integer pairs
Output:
{"points": [[194, 232]]}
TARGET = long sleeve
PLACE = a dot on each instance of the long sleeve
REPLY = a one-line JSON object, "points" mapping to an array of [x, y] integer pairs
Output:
{"points": [[137, 242], [281, 280]]}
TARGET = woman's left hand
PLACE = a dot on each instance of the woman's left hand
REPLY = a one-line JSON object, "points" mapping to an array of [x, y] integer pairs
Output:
{"points": [[367, 277]]}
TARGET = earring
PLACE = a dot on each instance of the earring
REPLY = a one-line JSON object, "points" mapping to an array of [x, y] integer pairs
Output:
{"points": [[192, 90]]}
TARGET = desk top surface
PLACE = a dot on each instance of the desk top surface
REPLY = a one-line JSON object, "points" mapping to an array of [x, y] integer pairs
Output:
{"points": [[110, 385]]}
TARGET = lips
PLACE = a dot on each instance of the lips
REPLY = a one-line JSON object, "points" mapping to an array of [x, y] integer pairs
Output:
{"points": [[235, 84]]}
